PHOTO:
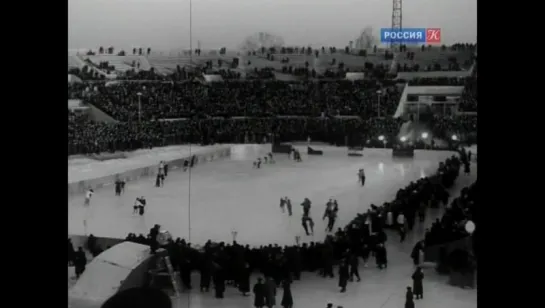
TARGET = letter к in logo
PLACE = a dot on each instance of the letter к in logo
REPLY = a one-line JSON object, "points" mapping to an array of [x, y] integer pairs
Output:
{"points": [[433, 35]]}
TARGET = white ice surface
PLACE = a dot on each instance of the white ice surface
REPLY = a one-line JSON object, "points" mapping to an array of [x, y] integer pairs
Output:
{"points": [[230, 196]]}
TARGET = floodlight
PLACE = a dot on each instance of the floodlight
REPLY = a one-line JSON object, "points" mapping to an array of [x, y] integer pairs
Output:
{"points": [[470, 226]]}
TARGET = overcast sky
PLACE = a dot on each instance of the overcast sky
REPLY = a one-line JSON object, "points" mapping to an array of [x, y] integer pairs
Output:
{"points": [[164, 24]]}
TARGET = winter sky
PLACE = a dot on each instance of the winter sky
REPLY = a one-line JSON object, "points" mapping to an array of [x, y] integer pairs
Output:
{"points": [[164, 24]]}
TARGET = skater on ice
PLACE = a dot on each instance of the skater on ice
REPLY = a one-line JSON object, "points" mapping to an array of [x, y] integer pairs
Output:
{"points": [[257, 163], [193, 161], [306, 207], [328, 208], [331, 217], [307, 223], [332, 207], [117, 188], [159, 180], [282, 205], [311, 225], [139, 205], [161, 168], [136, 206], [361, 177], [88, 196], [271, 159], [288, 205], [165, 168], [296, 155]]}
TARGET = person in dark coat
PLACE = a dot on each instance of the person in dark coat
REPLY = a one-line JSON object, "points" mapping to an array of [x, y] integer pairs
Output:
{"points": [[418, 288], [365, 251], [185, 273], [91, 242], [219, 282], [259, 293], [71, 253], [409, 302], [381, 256], [415, 254], [117, 187], [287, 299], [270, 292], [354, 263], [158, 180], [343, 275], [80, 260], [206, 275], [244, 281], [165, 168], [402, 233], [467, 169]]}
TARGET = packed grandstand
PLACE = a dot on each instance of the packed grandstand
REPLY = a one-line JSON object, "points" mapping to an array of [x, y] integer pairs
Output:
{"points": [[343, 97]]}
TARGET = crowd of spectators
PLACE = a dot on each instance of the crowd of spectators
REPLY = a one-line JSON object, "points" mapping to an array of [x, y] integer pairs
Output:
{"points": [[468, 101], [167, 113], [444, 127], [86, 137], [166, 100], [451, 226]]}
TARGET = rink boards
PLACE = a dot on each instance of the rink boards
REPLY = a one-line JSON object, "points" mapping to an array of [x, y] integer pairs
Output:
{"points": [[102, 174]]}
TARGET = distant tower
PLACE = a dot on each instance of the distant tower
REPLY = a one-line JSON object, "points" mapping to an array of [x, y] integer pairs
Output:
{"points": [[397, 18]]}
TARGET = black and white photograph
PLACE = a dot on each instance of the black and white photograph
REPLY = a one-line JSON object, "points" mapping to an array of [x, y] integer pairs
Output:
{"points": [[190, 122]]}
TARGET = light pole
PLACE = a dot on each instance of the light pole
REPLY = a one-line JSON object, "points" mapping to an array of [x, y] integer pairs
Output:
{"points": [[191, 32], [379, 92], [424, 137], [139, 108], [381, 138]]}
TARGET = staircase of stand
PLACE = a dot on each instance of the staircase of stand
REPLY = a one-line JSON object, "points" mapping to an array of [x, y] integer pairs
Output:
{"points": [[393, 66], [403, 98], [121, 63], [75, 62], [167, 64], [94, 67]]}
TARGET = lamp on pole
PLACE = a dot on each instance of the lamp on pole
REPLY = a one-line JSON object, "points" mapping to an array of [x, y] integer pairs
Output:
{"points": [[383, 139], [139, 108], [379, 92]]}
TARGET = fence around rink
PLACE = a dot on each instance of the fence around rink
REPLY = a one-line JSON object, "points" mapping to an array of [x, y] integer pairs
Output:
{"points": [[80, 186]]}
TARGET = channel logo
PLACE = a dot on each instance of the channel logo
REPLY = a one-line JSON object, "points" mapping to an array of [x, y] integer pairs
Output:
{"points": [[411, 35]]}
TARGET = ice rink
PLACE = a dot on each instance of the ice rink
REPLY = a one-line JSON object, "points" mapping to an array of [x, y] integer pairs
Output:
{"points": [[229, 195]]}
